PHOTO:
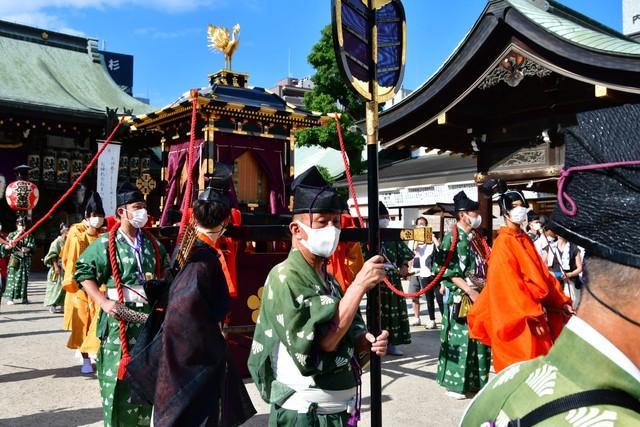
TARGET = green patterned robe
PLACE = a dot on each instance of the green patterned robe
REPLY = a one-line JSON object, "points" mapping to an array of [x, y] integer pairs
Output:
{"points": [[296, 309], [18, 276], [573, 365], [54, 295], [463, 363], [393, 316], [94, 264]]}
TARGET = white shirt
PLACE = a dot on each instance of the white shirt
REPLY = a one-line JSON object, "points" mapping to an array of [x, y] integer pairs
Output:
{"points": [[603, 345], [424, 252]]}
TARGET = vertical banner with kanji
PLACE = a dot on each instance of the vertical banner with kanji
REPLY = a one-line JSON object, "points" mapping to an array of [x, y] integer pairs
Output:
{"points": [[108, 167]]}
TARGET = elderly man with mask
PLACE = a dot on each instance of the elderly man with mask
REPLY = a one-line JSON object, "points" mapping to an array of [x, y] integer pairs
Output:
{"points": [[522, 308], [591, 376], [138, 258], [310, 341]]}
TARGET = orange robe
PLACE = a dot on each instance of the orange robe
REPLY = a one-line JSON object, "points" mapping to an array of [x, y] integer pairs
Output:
{"points": [[347, 260], [519, 312], [80, 312]]}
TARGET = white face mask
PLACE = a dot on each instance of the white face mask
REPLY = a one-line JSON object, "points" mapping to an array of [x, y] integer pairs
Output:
{"points": [[536, 227], [384, 223], [518, 215], [475, 221], [139, 218], [321, 242], [96, 221]]}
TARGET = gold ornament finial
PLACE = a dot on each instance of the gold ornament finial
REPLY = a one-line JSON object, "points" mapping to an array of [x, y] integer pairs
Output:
{"points": [[219, 39]]}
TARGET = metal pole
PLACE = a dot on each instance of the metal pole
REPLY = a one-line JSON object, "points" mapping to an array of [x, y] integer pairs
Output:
{"points": [[373, 296]]}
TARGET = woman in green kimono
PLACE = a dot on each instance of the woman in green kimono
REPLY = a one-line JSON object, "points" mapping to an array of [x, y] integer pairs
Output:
{"points": [[463, 363], [19, 264], [54, 295], [393, 315]]}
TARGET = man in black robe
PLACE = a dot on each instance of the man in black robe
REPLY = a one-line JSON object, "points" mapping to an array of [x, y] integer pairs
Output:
{"points": [[185, 370]]}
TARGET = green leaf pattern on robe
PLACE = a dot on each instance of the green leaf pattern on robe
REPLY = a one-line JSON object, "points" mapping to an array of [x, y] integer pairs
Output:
{"points": [[18, 277], [573, 365], [463, 363], [296, 310], [54, 295], [94, 264]]}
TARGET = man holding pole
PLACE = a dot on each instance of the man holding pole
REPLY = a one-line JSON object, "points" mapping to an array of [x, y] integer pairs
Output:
{"points": [[310, 341]]}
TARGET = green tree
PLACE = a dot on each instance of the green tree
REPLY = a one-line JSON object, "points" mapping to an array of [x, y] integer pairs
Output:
{"points": [[331, 94]]}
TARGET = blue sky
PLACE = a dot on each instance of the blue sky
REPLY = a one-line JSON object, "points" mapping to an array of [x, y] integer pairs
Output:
{"points": [[168, 37]]}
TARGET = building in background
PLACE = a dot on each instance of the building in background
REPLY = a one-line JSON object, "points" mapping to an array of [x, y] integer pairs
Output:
{"points": [[120, 68], [402, 94], [292, 90], [631, 18], [54, 93]]}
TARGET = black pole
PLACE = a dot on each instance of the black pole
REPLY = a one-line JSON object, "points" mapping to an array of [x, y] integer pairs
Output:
{"points": [[373, 296]]}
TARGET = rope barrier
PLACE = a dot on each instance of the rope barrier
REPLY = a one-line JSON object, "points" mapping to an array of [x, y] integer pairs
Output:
{"points": [[387, 282], [70, 190]]}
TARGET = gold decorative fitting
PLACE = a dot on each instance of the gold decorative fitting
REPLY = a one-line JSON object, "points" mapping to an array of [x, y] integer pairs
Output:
{"points": [[421, 234], [44, 35], [479, 178]]}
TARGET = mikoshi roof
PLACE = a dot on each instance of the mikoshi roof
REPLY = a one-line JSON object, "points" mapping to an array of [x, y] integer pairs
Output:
{"points": [[58, 73], [242, 100], [555, 41]]}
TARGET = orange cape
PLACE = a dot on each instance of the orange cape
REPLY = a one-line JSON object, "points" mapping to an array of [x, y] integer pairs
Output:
{"points": [[510, 313], [347, 260]]}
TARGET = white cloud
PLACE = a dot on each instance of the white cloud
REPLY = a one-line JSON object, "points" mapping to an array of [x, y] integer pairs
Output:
{"points": [[49, 13], [13, 7], [43, 20]]}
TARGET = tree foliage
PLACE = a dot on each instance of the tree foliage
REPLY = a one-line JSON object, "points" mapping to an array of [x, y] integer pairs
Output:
{"points": [[331, 94]]}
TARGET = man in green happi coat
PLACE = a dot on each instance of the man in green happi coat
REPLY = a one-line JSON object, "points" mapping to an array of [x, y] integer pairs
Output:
{"points": [[310, 341], [463, 363], [19, 263], [138, 260], [591, 375]]}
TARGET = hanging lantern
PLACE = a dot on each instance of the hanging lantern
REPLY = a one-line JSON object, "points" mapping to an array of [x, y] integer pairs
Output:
{"points": [[22, 195]]}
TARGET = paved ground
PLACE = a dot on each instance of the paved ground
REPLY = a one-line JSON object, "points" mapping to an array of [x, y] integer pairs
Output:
{"points": [[41, 384]]}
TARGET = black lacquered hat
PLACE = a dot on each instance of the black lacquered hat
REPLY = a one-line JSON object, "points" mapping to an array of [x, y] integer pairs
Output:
{"points": [[219, 184], [598, 202], [94, 205], [127, 194], [313, 194], [463, 203]]}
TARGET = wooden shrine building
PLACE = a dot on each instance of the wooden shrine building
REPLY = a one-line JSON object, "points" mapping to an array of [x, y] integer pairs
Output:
{"points": [[520, 76], [54, 95]]}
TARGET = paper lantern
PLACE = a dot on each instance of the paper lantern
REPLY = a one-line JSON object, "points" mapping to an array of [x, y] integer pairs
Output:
{"points": [[22, 195]]}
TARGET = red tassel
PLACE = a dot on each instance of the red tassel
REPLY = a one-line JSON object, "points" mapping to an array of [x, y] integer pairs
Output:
{"points": [[122, 368]]}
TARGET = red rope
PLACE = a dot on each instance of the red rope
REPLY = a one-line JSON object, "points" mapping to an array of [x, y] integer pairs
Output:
{"points": [[347, 170], [115, 271], [454, 231], [84, 173], [186, 201]]}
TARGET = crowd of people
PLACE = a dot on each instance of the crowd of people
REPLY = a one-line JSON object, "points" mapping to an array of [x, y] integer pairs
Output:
{"points": [[162, 357]]}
